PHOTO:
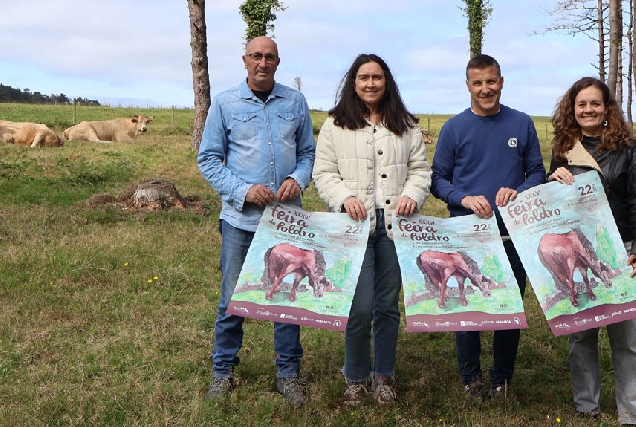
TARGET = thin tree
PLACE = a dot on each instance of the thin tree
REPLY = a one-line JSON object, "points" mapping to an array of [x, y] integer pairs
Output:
{"points": [[615, 49], [630, 63], [298, 84], [200, 73], [478, 12], [601, 39], [259, 15]]}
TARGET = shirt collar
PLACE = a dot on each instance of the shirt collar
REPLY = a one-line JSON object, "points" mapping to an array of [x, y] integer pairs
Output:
{"points": [[246, 92]]}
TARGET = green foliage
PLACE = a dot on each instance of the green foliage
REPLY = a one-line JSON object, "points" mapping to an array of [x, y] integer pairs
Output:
{"points": [[10, 94], [492, 268], [606, 249], [339, 272], [478, 13], [258, 14]]}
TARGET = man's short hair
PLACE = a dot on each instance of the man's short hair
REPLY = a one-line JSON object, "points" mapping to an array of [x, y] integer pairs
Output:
{"points": [[482, 61]]}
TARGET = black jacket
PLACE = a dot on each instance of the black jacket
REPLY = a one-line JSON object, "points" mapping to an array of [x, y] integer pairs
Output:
{"points": [[619, 180]]}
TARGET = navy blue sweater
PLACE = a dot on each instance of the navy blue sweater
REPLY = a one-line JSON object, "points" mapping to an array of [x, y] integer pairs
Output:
{"points": [[477, 155]]}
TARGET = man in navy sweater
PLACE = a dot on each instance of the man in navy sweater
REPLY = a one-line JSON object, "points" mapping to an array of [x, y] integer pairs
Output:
{"points": [[485, 156]]}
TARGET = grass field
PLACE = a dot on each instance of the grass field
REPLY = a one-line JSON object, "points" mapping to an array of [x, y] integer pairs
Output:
{"points": [[107, 315]]}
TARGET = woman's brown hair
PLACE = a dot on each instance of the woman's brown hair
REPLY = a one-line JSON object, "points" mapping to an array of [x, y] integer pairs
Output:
{"points": [[615, 134]]}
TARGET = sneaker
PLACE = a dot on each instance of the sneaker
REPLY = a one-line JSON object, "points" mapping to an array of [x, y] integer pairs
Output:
{"points": [[292, 390], [355, 393], [473, 391], [382, 392], [503, 392], [220, 387]]}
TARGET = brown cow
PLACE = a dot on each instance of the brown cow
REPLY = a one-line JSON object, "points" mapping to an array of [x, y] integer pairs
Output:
{"points": [[562, 254], [116, 130], [284, 259], [29, 134], [426, 136], [438, 267]]}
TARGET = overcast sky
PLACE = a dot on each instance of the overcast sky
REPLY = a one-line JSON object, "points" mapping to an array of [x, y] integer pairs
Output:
{"points": [[138, 52]]}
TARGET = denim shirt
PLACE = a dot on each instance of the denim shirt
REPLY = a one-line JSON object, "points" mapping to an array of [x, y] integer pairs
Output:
{"points": [[247, 141]]}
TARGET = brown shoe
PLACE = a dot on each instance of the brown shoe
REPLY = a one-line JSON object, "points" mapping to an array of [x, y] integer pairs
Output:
{"points": [[355, 393], [382, 392]]}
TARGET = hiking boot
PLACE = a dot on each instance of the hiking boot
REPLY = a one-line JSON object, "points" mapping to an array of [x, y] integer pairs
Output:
{"points": [[502, 392], [292, 390], [220, 387], [473, 391], [382, 392], [592, 415], [355, 393]]}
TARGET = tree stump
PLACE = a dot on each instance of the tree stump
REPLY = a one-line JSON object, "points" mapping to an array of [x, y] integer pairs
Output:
{"points": [[154, 195]]}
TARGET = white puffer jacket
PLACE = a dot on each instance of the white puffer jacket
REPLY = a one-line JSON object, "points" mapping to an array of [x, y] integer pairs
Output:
{"points": [[344, 167]]}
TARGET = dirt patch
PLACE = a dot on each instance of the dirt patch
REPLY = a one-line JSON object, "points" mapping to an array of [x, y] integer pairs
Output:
{"points": [[149, 195]]}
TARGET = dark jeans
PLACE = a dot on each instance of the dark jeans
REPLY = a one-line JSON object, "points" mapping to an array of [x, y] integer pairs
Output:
{"points": [[505, 342], [375, 302]]}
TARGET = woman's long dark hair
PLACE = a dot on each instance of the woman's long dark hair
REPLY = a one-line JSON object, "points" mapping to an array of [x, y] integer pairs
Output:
{"points": [[350, 111], [615, 135]]}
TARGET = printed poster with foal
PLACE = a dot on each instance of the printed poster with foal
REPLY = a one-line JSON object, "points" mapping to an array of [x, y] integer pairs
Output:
{"points": [[456, 275], [573, 254], [302, 268]]}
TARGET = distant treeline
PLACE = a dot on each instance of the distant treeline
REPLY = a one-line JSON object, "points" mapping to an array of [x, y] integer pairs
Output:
{"points": [[9, 94]]}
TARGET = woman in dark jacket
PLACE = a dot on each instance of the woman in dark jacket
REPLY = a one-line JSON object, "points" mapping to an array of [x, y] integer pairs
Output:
{"points": [[591, 134]]}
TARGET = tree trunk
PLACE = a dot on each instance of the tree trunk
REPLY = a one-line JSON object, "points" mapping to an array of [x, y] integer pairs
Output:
{"points": [[601, 42], [200, 75], [155, 195], [615, 45], [630, 67], [477, 12]]}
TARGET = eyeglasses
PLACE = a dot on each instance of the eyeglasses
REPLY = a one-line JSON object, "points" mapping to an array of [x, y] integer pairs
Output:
{"points": [[257, 57]]}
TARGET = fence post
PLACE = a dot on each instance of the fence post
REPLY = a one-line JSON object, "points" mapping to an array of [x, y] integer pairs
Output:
{"points": [[74, 109]]}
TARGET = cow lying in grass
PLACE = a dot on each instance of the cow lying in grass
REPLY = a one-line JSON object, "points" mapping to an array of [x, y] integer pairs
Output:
{"points": [[29, 134], [116, 130], [427, 136]]}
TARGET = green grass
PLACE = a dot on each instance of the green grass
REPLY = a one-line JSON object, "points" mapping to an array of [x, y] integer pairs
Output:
{"points": [[107, 315]]}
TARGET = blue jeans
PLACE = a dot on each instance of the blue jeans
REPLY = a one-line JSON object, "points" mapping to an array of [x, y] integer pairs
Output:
{"points": [[375, 300], [228, 331], [505, 342]]}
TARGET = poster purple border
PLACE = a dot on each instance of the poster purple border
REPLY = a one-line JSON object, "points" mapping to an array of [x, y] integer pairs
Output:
{"points": [[437, 252], [565, 236], [302, 268]]}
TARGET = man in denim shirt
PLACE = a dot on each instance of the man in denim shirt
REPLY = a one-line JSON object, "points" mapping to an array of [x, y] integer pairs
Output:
{"points": [[257, 148]]}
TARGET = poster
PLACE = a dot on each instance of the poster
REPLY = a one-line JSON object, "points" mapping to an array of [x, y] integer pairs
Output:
{"points": [[301, 268], [456, 275], [571, 249]]}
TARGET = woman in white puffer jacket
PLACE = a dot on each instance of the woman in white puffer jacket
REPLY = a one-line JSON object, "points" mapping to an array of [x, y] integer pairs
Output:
{"points": [[371, 160]]}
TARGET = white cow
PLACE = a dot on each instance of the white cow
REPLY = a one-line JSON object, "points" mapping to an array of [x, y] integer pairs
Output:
{"points": [[29, 134], [117, 130]]}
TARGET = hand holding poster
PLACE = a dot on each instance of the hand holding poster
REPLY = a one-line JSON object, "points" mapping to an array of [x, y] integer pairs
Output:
{"points": [[321, 252], [456, 275], [571, 249]]}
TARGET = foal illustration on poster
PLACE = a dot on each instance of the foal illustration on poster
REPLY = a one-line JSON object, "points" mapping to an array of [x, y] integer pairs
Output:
{"points": [[302, 268], [456, 275], [573, 254]]}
